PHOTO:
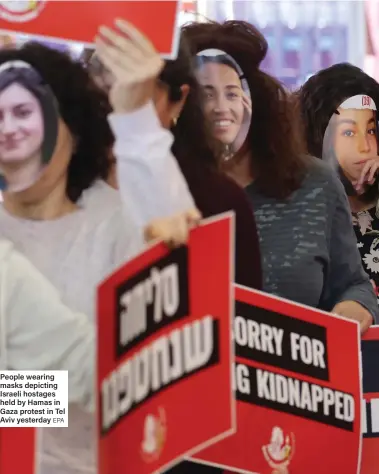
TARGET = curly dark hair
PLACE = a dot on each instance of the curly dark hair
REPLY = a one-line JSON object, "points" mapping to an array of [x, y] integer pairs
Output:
{"points": [[30, 79], [82, 106], [322, 94], [274, 137], [192, 138], [213, 192]]}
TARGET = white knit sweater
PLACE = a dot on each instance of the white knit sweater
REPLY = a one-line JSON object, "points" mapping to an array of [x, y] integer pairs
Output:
{"points": [[76, 252]]}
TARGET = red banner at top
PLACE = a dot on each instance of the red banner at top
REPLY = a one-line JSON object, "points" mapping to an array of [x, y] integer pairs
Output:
{"points": [[78, 21]]}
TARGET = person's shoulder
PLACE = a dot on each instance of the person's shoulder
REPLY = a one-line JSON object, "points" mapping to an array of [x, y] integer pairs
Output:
{"points": [[6, 249], [99, 196], [227, 194], [101, 210], [105, 215], [231, 191], [317, 168], [321, 174], [325, 187], [15, 265], [213, 191]]}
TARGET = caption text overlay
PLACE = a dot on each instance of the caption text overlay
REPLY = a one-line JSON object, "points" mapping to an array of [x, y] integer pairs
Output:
{"points": [[33, 398]]}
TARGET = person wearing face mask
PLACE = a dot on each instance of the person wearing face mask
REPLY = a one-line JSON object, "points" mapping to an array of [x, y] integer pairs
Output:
{"points": [[308, 247], [176, 96], [72, 226], [176, 100], [290, 176], [344, 133]]}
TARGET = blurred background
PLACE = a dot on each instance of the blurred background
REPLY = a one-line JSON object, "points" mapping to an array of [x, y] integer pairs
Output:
{"points": [[304, 35]]}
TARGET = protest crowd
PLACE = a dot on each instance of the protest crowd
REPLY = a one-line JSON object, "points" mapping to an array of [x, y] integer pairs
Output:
{"points": [[106, 155]]}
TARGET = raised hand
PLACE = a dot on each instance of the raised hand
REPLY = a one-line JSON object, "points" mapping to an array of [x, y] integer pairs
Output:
{"points": [[133, 62]]}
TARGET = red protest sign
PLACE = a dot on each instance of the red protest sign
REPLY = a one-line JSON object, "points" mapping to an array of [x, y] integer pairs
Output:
{"points": [[78, 21], [17, 450], [165, 353], [370, 412], [298, 386]]}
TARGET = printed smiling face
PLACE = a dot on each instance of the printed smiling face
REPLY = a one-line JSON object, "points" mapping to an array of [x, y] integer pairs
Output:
{"points": [[355, 140], [28, 126], [222, 100], [21, 125]]}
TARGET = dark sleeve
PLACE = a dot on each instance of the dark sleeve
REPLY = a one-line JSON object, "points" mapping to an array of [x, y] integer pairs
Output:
{"points": [[346, 279], [214, 194]]}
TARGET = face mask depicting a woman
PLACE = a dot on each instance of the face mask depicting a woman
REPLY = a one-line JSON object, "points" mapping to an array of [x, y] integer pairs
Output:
{"points": [[224, 100], [351, 143], [26, 104]]}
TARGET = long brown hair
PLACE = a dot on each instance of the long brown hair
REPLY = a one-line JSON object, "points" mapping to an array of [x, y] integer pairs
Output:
{"points": [[274, 138]]}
